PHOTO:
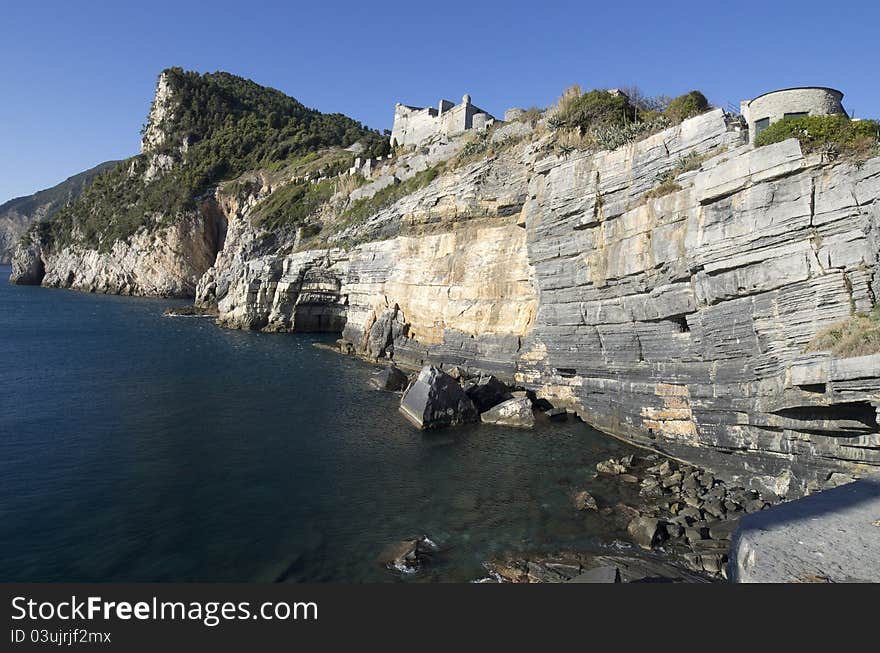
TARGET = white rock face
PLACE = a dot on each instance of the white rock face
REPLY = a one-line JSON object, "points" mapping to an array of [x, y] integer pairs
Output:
{"points": [[164, 104], [163, 263]]}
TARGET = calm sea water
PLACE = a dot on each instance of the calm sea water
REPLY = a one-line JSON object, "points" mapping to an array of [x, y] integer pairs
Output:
{"points": [[139, 447]]}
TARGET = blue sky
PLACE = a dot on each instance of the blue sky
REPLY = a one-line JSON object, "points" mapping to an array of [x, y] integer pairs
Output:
{"points": [[78, 77]]}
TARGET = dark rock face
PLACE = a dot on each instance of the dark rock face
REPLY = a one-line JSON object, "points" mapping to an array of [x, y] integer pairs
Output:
{"points": [[391, 379], [515, 412], [436, 400], [487, 392]]}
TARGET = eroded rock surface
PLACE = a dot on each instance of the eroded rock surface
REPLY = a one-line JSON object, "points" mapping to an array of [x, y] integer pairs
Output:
{"points": [[677, 322]]}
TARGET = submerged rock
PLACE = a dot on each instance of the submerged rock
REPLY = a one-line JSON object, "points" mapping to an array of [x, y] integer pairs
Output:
{"points": [[190, 311], [610, 467], [391, 379], [515, 412], [408, 556], [583, 500], [436, 400]]}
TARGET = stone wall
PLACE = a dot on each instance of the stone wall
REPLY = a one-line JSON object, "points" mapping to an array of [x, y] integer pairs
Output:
{"points": [[812, 101], [414, 126]]}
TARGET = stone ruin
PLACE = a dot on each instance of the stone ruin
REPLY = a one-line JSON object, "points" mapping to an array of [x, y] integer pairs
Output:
{"points": [[416, 125]]}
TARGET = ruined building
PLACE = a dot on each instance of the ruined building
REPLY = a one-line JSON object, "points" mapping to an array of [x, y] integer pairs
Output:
{"points": [[415, 125]]}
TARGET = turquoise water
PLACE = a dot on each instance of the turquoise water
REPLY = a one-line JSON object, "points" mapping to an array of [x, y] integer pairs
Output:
{"points": [[140, 447]]}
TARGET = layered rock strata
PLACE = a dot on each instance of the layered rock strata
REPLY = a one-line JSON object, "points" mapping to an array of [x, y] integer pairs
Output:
{"points": [[678, 322]]}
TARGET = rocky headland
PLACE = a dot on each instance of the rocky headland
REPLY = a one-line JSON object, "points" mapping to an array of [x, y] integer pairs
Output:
{"points": [[668, 291]]}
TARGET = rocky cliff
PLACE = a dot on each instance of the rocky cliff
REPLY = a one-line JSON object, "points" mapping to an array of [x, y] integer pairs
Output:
{"points": [[666, 291], [165, 262], [677, 322], [153, 224], [17, 215]]}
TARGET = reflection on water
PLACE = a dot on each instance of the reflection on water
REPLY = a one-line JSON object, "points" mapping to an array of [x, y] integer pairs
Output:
{"points": [[139, 447]]}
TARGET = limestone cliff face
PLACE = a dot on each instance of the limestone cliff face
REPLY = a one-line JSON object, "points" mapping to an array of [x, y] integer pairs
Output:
{"points": [[166, 262], [677, 322], [680, 322], [451, 264], [165, 258]]}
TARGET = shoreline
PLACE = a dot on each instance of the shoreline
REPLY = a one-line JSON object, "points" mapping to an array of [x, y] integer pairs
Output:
{"points": [[680, 530]]}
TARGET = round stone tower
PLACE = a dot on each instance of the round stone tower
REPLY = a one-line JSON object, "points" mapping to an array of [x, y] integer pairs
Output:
{"points": [[771, 107]]}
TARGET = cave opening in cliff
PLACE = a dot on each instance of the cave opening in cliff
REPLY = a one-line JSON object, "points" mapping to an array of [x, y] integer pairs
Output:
{"points": [[319, 318], [680, 322]]}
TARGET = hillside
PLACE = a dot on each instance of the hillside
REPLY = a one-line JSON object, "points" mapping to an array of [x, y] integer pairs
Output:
{"points": [[17, 215], [202, 130], [150, 225]]}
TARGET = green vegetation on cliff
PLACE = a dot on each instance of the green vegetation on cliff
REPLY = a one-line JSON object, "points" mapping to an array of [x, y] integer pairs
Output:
{"points": [[833, 134], [220, 126], [610, 119]]}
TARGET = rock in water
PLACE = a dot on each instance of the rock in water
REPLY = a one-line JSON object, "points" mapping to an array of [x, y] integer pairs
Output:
{"points": [[556, 414], [408, 556], [583, 500], [391, 379], [436, 400], [487, 392], [513, 412], [646, 531]]}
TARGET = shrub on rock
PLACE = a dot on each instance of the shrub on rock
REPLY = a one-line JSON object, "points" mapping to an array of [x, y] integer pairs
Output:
{"points": [[686, 106]]}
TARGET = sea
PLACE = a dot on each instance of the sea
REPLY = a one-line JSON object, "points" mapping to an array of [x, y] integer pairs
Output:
{"points": [[140, 447]]}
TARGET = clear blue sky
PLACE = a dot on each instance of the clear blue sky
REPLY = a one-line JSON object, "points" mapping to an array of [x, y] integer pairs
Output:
{"points": [[78, 77]]}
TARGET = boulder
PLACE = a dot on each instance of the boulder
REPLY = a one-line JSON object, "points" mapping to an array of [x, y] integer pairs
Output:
{"points": [[391, 379], [436, 400], [583, 500], [611, 467], [400, 556], [513, 412], [486, 392], [646, 531], [408, 556], [556, 414], [345, 347], [385, 330]]}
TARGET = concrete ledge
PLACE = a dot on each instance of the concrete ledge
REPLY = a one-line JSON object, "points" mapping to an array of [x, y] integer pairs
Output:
{"points": [[831, 536]]}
